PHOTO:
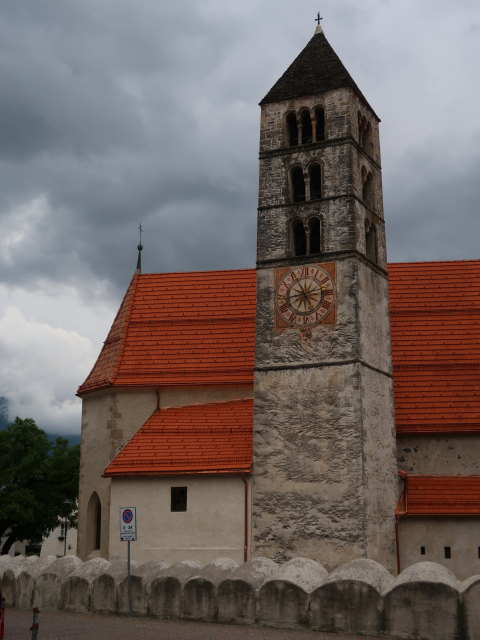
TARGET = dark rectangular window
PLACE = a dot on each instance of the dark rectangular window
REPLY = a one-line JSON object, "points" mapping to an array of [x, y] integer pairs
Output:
{"points": [[479, 552], [448, 552], [422, 551], [178, 499]]}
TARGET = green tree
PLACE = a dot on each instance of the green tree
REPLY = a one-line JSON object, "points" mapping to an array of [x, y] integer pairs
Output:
{"points": [[38, 482]]}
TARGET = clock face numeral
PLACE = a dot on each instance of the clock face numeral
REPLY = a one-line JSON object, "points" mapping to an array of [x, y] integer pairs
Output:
{"points": [[305, 295]]}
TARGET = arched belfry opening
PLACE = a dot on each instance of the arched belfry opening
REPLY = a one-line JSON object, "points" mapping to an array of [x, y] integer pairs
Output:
{"points": [[371, 250], [367, 187], [306, 126], [319, 124], [298, 238], [94, 523], [314, 235], [315, 179], [297, 184], [292, 129]]}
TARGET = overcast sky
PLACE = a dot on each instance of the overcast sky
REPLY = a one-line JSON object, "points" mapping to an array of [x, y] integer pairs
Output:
{"points": [[114, 112]]}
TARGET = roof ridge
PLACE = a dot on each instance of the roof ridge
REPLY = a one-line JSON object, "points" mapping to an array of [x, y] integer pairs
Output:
{"points": [[132, 290]]}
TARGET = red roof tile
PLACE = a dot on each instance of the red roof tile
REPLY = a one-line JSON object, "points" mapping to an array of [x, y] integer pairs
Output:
{"points": [[435, 322], [181, 329], [207, 438], [440, 496]]}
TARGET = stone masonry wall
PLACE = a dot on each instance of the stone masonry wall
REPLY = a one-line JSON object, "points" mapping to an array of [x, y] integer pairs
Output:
{"points": [[360, 597]]}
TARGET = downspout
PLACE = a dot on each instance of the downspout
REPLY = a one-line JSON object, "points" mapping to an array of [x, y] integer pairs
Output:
{"points": [[401, 510], [397, 542], [245, 539]]}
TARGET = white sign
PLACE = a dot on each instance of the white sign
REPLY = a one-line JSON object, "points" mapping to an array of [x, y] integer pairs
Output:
{"points": [[128, 524]]}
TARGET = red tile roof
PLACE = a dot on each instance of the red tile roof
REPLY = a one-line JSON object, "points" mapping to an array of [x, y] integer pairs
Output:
{"points": [[440, 496], [207, 438], [198, 328], [180, 329], [435, 321]]}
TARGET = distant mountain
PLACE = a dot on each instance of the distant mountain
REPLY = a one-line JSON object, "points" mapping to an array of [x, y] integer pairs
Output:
{"points": [[4, 421], [72, 439]]}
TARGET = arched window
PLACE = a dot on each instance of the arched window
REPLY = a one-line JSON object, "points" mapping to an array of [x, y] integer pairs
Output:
{"points": [[94, 523], [319, 124], [371, 241], [299, 238], [297, 183], [306, 124], [366, 141], [315, 176], [292, 129], [367, 187], [364, 133], [314, 227]]}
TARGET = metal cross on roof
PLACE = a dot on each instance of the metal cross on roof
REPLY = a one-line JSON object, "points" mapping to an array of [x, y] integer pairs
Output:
{"points": [[318, 18], [140, 229]]}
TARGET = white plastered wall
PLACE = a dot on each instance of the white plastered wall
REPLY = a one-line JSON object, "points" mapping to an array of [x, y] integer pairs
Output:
{"points": [[462, 535], [213, 525]]}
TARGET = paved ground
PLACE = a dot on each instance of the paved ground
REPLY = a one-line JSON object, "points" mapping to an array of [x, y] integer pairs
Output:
{"points": [[59, 625]]}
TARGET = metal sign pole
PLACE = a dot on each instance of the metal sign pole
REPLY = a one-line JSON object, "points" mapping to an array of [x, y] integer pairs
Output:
{"points": [[128, 533], [129, 584]]}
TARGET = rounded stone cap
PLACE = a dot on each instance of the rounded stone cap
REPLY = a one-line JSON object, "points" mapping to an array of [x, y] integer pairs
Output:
{"points": [[469, 582], [255, 571], [303, 572], [363, 570], [426, 572], [62, 567], [181, 571], [91, 569], [218, 570]]}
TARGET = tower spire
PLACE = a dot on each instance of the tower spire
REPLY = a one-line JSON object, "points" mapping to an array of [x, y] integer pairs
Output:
{"points": [[140, 248]]}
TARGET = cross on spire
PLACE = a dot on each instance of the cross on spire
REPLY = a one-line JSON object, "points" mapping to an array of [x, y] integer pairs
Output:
{"points": [[318, 18], [140, 247]]}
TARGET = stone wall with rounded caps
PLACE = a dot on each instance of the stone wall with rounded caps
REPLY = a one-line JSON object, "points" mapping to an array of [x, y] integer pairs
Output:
{"points": [[360, 597]]}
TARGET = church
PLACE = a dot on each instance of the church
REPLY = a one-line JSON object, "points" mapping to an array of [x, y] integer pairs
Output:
{"points": [[325, 404]]}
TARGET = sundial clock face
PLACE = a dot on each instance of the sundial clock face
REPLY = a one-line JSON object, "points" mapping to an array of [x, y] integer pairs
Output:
{"points": [[305, 296]]}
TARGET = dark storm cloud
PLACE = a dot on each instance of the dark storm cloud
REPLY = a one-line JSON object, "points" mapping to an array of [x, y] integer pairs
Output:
{"points": [[112, 120], [433, 204]]}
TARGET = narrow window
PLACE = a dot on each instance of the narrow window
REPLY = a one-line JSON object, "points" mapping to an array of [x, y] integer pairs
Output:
{"points": [[320, 124], [178, 499], [448, 552], [478, 552], [292, 130], [98, 525], [422, 551], [299, 238], [371, 241], [94, 524], [367, 187], [298, 184], [315, 174], [361, 128], [314, 227], [367, 138], [306, 123]]}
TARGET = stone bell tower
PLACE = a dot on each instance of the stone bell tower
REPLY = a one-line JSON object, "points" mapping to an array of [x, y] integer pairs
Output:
{"points": [[324, 480]]}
